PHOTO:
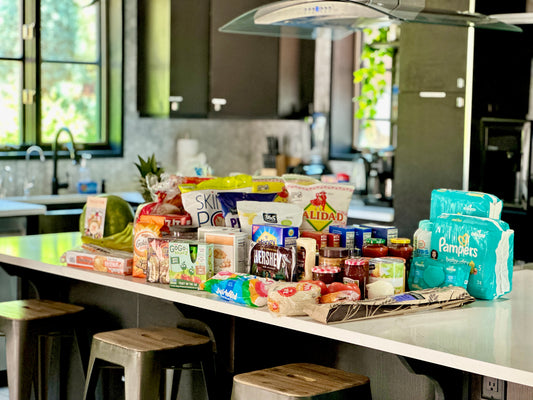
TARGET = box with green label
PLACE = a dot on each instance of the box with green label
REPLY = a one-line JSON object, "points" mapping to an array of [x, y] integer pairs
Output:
{"points": [[190, 263]]}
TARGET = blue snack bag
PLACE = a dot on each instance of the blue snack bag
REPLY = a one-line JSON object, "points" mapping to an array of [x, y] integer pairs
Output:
{"points": [[228, 202]]}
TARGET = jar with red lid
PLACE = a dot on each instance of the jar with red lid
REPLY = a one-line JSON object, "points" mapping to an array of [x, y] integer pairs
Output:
{"points": [[326, 274], [333, 256], [356, 271], [375, 248]]}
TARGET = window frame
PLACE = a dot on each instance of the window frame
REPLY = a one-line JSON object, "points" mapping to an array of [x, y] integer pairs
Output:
{"points": [[111, 77]]}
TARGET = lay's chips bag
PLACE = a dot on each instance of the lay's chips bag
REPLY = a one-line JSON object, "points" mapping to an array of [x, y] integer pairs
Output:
{"points": [[484, 244]]}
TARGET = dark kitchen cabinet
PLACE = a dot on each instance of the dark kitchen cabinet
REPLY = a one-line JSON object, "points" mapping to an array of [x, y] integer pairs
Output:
{"points": [[189, 69]]}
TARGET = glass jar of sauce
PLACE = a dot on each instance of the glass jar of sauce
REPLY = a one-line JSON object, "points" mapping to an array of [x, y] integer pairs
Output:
{"points": [[401, 247], [333, 256], [356, 271], [326, 274], [375, 248]]}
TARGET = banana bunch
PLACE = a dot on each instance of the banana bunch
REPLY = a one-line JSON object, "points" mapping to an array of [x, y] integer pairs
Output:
{"points": [[119, 241]]}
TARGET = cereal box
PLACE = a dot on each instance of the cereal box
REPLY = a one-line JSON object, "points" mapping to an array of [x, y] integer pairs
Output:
{"points": [[278, 235], [191, 263]]}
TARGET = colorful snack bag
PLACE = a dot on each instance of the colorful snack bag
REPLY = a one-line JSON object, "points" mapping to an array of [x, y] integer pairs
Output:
{"points": [[323, 204], [147, 226], [273, 262], [239, 288], [228, 202], [448, 201], [258, 212]]}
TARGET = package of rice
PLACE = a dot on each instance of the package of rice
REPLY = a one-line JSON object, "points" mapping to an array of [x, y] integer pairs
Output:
{"points": [[486, 245], [324, 204], [449, 201]]}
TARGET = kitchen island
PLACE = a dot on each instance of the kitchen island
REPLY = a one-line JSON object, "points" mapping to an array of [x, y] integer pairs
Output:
{"points": [[488, 338]]}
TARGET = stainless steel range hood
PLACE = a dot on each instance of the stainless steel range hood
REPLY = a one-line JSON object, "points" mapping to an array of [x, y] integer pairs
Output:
{"points": [[307, 19]]}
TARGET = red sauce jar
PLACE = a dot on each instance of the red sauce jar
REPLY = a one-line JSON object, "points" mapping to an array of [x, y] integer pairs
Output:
{"points": [[356, 271], [326, 274], [375, 248]]}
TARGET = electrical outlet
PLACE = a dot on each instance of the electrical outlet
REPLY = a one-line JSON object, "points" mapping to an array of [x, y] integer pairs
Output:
{"points": [[493, 388]]}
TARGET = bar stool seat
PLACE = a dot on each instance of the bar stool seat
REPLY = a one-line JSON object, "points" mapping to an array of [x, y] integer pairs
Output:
{"points": [[300, 381], [143, 353], [22, 321]]}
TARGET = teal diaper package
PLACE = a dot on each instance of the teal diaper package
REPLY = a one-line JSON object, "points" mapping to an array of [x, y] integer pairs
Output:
{"points": [[485, 245], [428, 273], [449, 201]]}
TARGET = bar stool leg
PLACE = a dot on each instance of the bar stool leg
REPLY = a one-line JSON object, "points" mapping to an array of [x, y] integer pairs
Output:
{"points": [[92, 374], [142, 376], [21, 355]]}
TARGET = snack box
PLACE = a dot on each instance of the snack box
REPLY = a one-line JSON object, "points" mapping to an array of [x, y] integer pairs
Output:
{"points": [[383, 232], [362, 233], [320, 238], [230, 250], [203, 230], [277, 235], [347, 235], [112, 261], [191, 263]]}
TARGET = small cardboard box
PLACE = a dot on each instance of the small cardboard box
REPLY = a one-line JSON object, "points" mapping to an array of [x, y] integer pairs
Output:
{"points": [[116, 262], [191, 263], [383, 232], [277, 235], [230, 250]]}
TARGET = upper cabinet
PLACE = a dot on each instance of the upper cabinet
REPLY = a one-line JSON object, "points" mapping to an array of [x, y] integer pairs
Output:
{"points": [[188, 69]]}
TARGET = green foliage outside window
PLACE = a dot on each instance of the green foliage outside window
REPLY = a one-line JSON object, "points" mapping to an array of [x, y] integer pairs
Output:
{"points": [[371, 76]]}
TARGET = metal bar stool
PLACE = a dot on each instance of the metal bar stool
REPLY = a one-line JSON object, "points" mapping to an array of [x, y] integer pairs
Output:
{"points": [[22, 322], [143, 353], [300, 381]]}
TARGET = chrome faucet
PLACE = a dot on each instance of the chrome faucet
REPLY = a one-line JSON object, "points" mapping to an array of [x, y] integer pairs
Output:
{"points": [[72, 150], [30, 182]]}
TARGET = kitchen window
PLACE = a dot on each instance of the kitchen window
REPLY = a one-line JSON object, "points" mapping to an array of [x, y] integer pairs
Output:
{"points": [[363, 112], [61, 66]]}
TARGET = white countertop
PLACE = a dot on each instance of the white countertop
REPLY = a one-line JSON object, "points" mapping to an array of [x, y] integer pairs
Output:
{"points": [[486, 337], [10, 208]]}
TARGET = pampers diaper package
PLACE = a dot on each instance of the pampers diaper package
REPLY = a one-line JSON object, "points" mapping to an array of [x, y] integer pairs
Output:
{"points": [[464, 203], [485, 245]]}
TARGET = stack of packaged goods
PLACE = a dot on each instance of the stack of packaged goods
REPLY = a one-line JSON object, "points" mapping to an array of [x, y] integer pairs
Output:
{"points": [[464, 243], [283, 242]]}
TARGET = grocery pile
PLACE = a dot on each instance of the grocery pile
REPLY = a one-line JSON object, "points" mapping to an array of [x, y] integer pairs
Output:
{"points": [[284, 243]]}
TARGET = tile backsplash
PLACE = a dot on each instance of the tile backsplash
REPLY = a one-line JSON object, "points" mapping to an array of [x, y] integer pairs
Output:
{"points": [[230, 145]]}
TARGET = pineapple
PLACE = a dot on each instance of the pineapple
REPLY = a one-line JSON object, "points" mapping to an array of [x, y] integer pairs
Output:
{"points": [[149, 170]]}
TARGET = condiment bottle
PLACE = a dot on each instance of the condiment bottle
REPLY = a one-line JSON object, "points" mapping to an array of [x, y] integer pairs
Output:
{"points": [[356, 271], [374, 248]]}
